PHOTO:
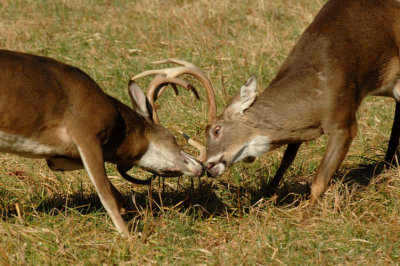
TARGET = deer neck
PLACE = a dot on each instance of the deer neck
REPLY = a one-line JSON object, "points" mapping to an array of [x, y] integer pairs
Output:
{"points": [[127, 143], [284, 114]]}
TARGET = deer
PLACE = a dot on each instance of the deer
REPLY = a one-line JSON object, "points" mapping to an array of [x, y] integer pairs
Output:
{"points": [[349, 51], [54, 111]]}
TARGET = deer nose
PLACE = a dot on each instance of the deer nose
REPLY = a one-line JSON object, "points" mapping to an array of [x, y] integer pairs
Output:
{"points": [[210, 166], [209, 170]]}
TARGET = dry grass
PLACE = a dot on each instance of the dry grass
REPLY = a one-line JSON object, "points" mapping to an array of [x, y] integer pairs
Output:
{"points": [[49, 217]]}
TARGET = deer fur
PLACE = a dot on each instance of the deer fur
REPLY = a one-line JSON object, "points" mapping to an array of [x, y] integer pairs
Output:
{"points": [[55, 111], [350, 50]]}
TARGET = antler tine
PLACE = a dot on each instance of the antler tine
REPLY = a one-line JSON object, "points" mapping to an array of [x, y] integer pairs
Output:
{"points": [[173, 72], [202, 149], [195, 71], [149, 73], [173, 85], [176, 61], [157, 83], [190, 68], [169, 72]]}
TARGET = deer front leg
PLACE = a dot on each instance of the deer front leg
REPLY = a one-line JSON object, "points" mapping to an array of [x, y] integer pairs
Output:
{"points": [[92, 158], [287, 160], [338, 145], [394, 137]]}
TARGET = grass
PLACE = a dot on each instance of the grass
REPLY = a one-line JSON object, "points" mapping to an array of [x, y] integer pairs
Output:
{"points": [[56, 218]]}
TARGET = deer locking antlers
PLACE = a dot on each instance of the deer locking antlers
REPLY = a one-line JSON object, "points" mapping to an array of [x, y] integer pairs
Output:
{"points": [[166, 76]]}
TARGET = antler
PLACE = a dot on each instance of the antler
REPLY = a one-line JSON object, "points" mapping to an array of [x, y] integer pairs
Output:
{"points": [[201, 148], [156, 87], [170, 76], [175, 72]]}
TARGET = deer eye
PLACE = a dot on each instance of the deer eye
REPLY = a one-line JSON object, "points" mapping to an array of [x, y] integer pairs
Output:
{"points": [[216, 131]]}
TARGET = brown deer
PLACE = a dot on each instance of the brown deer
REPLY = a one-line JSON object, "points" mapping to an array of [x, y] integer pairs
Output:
{"points": [[350, 50], [55, 111]]}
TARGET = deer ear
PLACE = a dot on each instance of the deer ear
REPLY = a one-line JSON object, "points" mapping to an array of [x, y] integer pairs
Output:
{"points": [[139, 101], [244, 98]]}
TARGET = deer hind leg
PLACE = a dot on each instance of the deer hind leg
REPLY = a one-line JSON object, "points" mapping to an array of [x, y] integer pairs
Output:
{"points": [[338, 145], [394, 137], [287, 160], [92, 158]]}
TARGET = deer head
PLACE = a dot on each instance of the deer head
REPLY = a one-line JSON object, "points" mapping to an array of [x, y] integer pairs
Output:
{"points": [[231, 138]]}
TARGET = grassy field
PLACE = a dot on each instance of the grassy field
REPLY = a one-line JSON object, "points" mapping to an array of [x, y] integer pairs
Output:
{"points": [[56, 218]]}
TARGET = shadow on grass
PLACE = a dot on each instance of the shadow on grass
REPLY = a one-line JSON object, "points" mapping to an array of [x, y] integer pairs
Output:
{"points": [[363, 174], [202, 199], [293, 188]]}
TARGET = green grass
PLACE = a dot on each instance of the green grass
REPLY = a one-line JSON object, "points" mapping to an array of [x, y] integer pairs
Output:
{"points": [[56, 218]]}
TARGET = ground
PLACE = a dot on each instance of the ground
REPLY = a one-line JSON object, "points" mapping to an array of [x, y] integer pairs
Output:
{"points": [[51, 217]]}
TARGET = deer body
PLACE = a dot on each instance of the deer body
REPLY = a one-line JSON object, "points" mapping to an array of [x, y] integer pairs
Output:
{"points": [[349, 51], [54, 111], [33, 86]]}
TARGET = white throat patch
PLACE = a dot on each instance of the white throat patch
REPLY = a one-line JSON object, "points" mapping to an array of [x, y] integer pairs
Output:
{"points": [[154, 158], [256, 147]]}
